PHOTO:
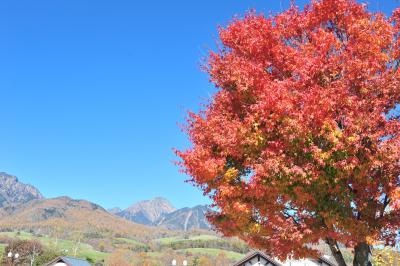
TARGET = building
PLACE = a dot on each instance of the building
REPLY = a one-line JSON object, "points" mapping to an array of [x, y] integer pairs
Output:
{"points": [[68, 261], [258, 258]]}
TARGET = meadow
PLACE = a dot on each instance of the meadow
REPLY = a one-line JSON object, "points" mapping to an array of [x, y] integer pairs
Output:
{"points": [[156, 250]]}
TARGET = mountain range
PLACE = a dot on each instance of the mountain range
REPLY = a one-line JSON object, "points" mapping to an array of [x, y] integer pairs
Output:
{"points": [[23, 205], [185, 219], [160, 212]]}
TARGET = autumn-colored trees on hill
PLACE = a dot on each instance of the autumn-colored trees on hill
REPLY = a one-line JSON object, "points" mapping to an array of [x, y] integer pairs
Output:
{"points": [[301, 141]]}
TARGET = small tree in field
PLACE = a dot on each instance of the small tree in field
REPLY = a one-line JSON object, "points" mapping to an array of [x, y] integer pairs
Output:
{"points": [[28, 251], [301, 143]]}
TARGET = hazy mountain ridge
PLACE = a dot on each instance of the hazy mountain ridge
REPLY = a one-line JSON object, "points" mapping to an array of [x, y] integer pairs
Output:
{"points": [[65, 217], [44, 209], [24, 203]]}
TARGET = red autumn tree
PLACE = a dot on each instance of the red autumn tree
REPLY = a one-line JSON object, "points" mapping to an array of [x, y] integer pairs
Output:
{"points": [[301, 142]]}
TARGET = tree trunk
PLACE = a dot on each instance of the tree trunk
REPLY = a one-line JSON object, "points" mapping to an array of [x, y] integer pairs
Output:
{"points": [[362, 255], [336, 253]]}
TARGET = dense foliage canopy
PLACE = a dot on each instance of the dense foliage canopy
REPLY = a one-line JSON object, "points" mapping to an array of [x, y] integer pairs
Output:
{"points": [[301, 142]]}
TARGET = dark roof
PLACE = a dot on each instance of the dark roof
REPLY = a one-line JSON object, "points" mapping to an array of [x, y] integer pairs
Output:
{"points": [[70, 261], [254, 254]]}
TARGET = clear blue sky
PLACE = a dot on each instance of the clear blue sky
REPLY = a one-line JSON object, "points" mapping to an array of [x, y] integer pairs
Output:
{"points": [[91, 92]]}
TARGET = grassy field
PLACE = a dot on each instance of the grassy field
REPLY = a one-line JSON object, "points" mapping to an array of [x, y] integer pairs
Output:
{"points": [[130, 244], [212, 252], [2, 249], [129, 241], [169, 240], [87, 251]]}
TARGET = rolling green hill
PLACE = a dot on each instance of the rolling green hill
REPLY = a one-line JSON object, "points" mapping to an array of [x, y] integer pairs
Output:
{"points": [[187, 245]]}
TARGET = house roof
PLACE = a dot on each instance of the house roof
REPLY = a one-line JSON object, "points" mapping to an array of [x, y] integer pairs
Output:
{"points": [[271, 260], [70, 261], [256, 253]]}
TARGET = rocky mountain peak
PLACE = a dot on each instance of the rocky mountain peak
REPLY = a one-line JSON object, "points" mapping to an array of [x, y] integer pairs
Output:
{"points": [[160, 212], [147, 211], [14, 192]]}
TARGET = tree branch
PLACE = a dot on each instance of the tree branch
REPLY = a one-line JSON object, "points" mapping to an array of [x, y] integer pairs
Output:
{"points": [[386, 202], [337, 254]]}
